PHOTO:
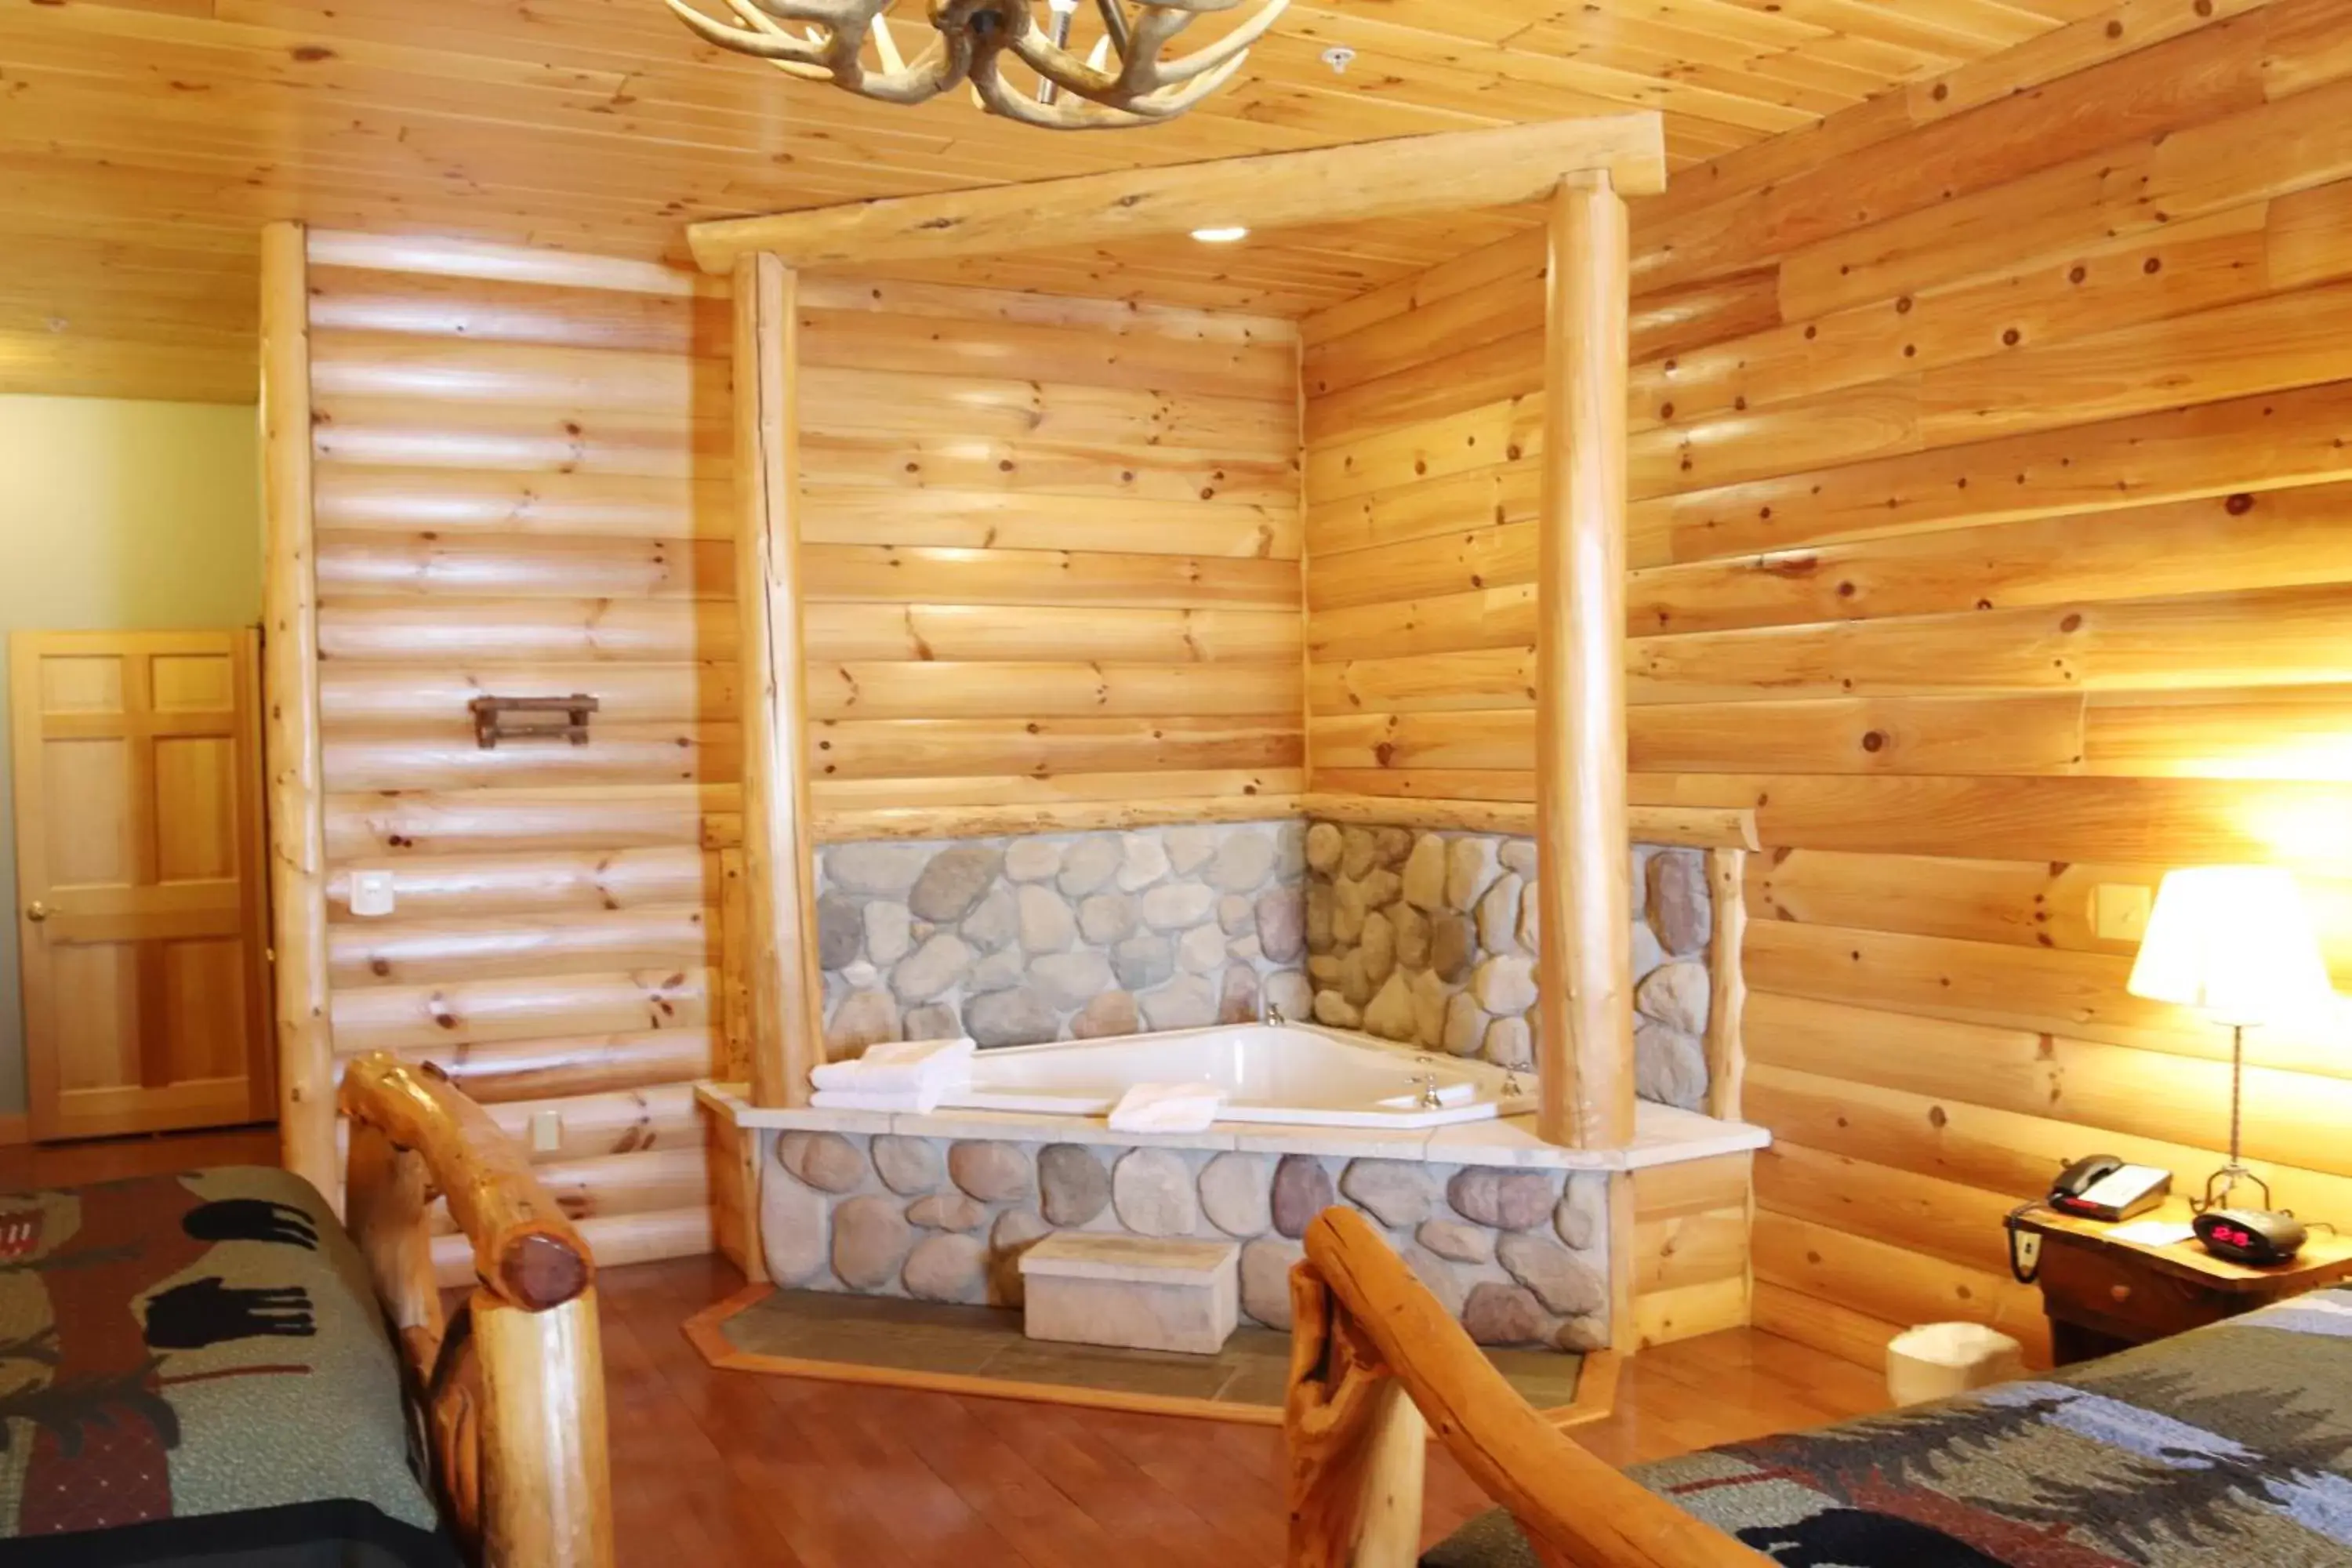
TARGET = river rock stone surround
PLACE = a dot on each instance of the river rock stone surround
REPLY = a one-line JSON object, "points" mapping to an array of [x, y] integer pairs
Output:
{"points": [[1423, 937], [1429, 938], [1518, 1255], [1042, 937]]}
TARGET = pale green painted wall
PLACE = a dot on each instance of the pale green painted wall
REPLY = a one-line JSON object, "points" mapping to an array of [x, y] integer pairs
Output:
{"points": [[117, 515]]}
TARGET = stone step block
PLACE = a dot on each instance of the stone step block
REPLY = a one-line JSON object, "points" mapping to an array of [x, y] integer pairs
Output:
{"points": [[1131, 1292]]}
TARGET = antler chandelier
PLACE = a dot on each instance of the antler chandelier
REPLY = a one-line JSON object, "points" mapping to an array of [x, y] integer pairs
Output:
{"points": [[828, 40]]}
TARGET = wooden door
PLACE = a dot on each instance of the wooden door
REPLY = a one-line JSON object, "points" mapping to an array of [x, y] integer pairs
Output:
{"points": [[140, 893]]}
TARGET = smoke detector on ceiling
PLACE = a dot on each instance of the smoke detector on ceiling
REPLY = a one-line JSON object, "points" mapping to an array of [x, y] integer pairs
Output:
{"points": [[1338, 57]]}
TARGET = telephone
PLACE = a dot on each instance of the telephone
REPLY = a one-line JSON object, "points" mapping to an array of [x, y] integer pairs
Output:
{"points": [[2100, 1186], [2097, 1186]]}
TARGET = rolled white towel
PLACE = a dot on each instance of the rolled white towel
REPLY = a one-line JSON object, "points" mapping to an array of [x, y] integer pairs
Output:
{"points": [[895, 1066], [953, 1076], [922, 1100], [1167, 1107], [899, 1053]]}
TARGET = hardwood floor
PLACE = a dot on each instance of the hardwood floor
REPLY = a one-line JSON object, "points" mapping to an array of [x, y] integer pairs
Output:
{"points": [[24, 1165], [720, 1467], [716, 1469]]}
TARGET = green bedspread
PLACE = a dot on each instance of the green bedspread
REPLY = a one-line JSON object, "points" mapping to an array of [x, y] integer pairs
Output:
{"points": [[2228, 1448], [194, 1368]]}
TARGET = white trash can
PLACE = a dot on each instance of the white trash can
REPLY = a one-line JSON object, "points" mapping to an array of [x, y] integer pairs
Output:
{"points": [[1939, 1360]]}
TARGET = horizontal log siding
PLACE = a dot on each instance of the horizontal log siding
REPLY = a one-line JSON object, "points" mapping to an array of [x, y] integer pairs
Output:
{"points": [[1052, 563], [1992, 462], [522, 491]]}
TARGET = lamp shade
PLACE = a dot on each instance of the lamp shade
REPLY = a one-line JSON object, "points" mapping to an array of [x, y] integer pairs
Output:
{"points": [[2236, 942]]}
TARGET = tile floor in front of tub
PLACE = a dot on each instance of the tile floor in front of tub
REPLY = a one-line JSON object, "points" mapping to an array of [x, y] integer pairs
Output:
{"points": [[987, 1342]]}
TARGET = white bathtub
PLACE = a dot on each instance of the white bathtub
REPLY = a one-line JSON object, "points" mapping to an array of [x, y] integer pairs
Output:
{"points": [[1269, 1072]]}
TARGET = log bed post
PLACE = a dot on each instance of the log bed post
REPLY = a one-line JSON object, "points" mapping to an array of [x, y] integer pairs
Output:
{"points": [[1585, 1055], [1367, 1338], [1358, 1449], [290, 617], [514, 1389], [782, 989]]}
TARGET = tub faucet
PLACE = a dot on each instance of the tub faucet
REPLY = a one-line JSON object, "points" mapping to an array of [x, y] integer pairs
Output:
{"points": [[1267, 1013], [1428, 1098]]}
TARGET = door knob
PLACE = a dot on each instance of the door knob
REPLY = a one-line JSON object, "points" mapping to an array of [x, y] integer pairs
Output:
{"points": [[36, 912]]}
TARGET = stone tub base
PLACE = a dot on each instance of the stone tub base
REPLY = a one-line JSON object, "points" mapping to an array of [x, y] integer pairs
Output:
{"points": [[1511, 1234]]}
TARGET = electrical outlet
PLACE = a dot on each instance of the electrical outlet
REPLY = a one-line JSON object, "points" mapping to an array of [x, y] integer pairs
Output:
{"points": [[372, 892], [2119, 910], [546, 1131]]}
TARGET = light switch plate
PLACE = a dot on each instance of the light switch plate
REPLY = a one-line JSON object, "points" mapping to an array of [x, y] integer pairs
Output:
{"points": [[372, 892], [2119, 910], [546, 1131]]}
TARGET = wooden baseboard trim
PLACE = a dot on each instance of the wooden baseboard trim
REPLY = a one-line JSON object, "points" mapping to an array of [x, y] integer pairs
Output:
{"points": [[1596, 1386], [16, 1127]]}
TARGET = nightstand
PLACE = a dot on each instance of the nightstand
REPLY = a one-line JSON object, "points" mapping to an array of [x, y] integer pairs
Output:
{"points": [[2101, 1295]]}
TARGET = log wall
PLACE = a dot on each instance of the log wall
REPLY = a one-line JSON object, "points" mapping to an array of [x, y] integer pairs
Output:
{"points": [[1990, 488], [1423, 411], [522, 490], [1052, 557]]}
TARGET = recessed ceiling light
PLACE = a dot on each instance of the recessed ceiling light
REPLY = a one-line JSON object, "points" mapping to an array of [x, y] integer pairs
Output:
{"points": [[1221, 236]]}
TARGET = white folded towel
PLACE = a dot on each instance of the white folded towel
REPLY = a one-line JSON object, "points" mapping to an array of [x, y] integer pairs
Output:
{"points": [[922, 1101], [1167, 1107], [901, 1067]]}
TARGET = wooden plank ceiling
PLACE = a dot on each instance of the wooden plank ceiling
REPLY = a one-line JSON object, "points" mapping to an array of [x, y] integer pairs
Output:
{"points": [[143, 141]]}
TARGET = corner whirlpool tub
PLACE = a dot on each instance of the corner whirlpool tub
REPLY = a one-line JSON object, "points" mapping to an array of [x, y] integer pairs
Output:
{"points": [[1295, 1074]]}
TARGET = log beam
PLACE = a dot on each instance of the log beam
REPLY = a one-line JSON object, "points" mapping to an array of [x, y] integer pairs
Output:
{"points": [[1687, 826], [779, 902], [1447, 172], [289, 612], [1585, 1056]]}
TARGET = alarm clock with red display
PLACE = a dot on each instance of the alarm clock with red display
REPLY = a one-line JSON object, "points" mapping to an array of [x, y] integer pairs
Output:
{"points": [[2258, 1237]]}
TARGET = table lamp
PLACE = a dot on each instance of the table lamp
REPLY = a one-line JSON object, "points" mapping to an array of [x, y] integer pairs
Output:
{"points": [[2235, 942]]}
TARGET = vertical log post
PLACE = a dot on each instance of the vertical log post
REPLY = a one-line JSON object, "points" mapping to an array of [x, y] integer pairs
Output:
{"points": [[734, 974], [546, 1492], [387, 1195], [289, 681], [780, 925], [1358, 1445], [1726, 1051], [1582, 841], [1624, 1266]]}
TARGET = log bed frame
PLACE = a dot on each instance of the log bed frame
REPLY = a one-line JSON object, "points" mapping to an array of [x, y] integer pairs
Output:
{"points": [[1377, 1368], [513, 1381]]}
